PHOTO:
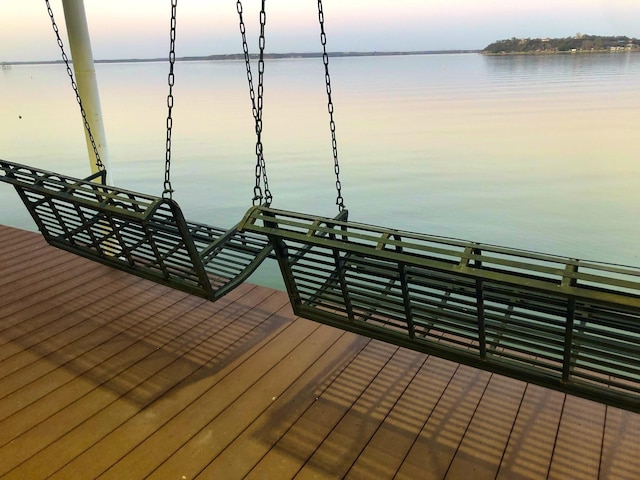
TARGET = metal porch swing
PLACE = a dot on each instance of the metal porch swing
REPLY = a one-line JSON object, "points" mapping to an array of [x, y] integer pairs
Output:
{"points": [[142, 234], [562, 323]]}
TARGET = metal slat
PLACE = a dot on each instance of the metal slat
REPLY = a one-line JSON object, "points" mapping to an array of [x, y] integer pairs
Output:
{"points": [[138, 233], [558, 322]]}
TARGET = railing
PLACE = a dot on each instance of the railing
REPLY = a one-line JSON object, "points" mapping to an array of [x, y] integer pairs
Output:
{"points": [[561, 323]]}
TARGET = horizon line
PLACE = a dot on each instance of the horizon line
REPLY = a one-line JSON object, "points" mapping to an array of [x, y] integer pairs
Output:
{"points": [[240, 56]]}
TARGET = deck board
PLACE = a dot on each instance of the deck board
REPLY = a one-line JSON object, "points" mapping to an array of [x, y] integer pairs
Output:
{"points": [[106, 375], [165, 371], [227, 410], [621, 447], [25, 310], [130, 390], [581, 430], [214, 390], [532, 438], [292, 450], [244, 451], [343, 445], [388, 447], [485, 440], [50, 327], [435, 447]]}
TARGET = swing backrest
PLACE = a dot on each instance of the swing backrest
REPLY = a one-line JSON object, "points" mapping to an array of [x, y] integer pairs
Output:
{"points": [[138, 233], [558, 322]]}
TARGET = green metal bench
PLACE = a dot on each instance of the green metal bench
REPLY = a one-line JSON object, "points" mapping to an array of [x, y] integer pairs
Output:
{"points": [[562, 323], [140, 234]]}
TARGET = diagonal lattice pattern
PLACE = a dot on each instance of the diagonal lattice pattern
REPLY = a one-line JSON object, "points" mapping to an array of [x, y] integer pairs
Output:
{"points": [[141, 234]]}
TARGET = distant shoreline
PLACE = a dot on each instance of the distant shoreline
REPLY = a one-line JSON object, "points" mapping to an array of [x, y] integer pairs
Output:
{"points": [[268, 56], [567, 52], [579, 43]]}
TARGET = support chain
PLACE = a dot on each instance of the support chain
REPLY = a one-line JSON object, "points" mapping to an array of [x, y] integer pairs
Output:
{"points": [[332, 124], [168, 189], [87, 127], [256, 105]]}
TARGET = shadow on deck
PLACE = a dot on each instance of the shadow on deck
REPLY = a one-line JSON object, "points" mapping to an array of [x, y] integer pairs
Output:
{"points": [[104, 374]]}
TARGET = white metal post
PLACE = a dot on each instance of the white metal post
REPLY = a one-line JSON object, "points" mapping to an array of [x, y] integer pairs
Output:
{"points": [[85, 73]]}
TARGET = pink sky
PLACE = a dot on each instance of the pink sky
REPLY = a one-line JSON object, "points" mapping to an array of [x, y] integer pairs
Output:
{"points": [[139, 28]]}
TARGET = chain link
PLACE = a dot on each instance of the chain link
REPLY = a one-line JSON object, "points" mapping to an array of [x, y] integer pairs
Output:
{"points": [[87, 127], [332, 124], [256, 104], [168, 189]]}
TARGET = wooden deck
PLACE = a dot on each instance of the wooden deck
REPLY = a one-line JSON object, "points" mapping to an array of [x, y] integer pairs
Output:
{"points": [[106, 375]]}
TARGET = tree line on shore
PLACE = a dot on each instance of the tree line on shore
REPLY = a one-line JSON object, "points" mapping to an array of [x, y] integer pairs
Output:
{"points": [[569, 44]]}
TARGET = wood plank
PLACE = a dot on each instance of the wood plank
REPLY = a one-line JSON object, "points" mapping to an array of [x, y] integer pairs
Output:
{"points": [[531, 442], [341, 447], [485, 440], [27, 315], [580, 437], [17, 243], [299, 442], [209, 398], [46, 265], [385, 452], [106, 364], [242, 453], [8, 235], [109, 436], [12, 266], [436, 446], [109, 385], [621, 446], [188, 460], [103, 372], [18, 293], [60, 325], [39, 379]]}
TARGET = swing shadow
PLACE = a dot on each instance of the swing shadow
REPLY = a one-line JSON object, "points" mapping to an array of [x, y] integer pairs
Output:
{"points": [[137, 349], [134, 341], [426, 414], [356, 414]]}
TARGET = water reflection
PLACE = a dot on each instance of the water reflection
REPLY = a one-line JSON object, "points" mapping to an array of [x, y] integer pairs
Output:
{"points": [[533, 152]]}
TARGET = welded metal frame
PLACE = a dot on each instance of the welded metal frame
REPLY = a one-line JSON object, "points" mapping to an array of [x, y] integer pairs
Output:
{"points": [[141, 234], [562, 323]]}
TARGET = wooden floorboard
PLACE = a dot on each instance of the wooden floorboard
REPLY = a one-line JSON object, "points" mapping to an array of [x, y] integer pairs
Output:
{"points": [[257, 435], [300, 441], [105, 375], [349, 437], [532, 438], [445, 426], [388, 447], [484, 441], [581, 430], [155, 372]]}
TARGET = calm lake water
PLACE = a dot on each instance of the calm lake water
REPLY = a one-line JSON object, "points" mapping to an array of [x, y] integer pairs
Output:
{"points": [[531, 152]]}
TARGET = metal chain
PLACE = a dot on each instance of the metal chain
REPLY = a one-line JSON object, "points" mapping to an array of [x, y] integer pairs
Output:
{"points": [[261, 45], [87, 127], [332, 124], [256, 104], [168, 189]]}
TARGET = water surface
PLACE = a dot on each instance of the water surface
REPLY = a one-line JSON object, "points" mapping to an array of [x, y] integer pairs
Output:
{"points": [[532, 152]]}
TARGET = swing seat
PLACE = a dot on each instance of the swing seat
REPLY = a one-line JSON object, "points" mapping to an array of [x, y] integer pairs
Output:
{"points": [[562, 323], [140, 234]]}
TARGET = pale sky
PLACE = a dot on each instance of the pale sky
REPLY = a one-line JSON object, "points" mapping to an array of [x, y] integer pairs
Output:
{"points": [[140, 28]]}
